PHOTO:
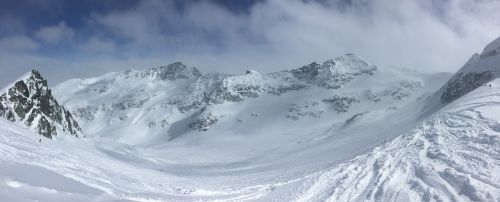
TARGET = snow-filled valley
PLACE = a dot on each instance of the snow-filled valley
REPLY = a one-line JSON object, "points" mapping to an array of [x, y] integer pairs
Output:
{"points": [[341, 130]]}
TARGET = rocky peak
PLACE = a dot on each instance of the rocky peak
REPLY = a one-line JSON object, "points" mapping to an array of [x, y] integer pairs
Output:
{"points": [[479, 70], [30, 101], [491, 49], [334, 73], [350, 64], [172, 71], [234, 88]]}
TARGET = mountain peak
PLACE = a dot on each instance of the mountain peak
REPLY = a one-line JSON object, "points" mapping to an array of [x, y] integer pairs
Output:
{"points": [[172, 71], [335, 73], [30, 101], [491, 49], [36, 74], [477, 71]]}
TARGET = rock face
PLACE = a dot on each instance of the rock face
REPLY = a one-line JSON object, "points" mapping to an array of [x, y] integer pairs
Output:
{"points": [[235, 88], [334, 73], [479, 70], [341, 104], [462, 83], [171, 72], [204, 120], [30, 101]]}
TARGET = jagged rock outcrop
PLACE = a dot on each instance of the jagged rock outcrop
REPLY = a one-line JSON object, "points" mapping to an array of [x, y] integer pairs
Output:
{"points": [[170, 72], [340, 103], [334, 73], [463, 83], [309, 108], [30, 101], [235, 88], [204, 120], [479, 70]]}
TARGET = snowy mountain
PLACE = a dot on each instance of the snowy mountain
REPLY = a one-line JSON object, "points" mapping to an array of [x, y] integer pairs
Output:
{"points": [[30, 102], [341, 130], [161, 104], [480, 69]]}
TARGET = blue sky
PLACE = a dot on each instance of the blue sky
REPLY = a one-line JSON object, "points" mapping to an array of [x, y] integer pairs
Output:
{"points": [[68, 39]]}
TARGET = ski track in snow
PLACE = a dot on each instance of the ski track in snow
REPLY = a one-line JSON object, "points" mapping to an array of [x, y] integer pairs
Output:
{"points": [[454, 156]]}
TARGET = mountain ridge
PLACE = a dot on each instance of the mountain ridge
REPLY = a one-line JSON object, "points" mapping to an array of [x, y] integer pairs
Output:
{"points": [[30, 101], [174, 99], [332, 131]]}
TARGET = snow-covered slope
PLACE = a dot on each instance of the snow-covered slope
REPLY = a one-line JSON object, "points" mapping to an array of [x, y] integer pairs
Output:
{"points": [[160, 104], [341, 130], [451, 156], [29, 101]]}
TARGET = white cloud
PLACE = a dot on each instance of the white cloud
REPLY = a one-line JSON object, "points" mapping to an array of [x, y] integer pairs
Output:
{"points": [[55, 34], [283, 34], [428, 35], [17, 44], [96, 45]]}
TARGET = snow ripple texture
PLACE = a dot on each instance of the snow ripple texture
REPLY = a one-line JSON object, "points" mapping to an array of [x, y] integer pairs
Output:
{"points": [[454, 156]]}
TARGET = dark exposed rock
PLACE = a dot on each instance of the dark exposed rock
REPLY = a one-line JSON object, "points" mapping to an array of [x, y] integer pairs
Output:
{"points": [[463, 83], [335, 73], [234, 88], [489, 54], [283, 89], [151, 124], [235, 93], [321, 75], [129, 101], [172, 71], [341, 104], [87, 113], [203, 122], [30, 101], [309, 108]]}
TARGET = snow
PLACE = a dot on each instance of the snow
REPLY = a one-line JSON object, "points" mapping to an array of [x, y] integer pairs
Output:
{"points": [[450, 156], [492, 46], [488, 60], [379, 147]]}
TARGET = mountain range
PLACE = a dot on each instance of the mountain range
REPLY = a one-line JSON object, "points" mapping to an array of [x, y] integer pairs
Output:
{"points": [[340, 130]]}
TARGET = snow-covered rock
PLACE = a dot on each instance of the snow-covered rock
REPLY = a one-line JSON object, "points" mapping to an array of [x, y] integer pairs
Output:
{"points": [[30, 101], [117, 104], [235, 88], [480, 69], [334, 73]]}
